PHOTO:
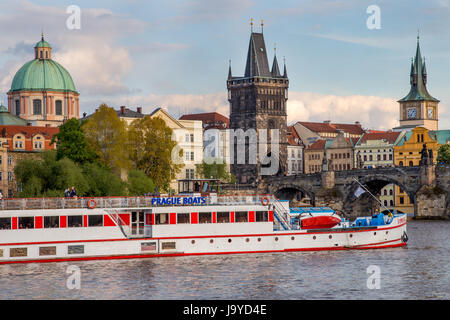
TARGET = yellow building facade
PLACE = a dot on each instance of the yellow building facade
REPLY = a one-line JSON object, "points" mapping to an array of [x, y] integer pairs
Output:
{"points": [[407, 153]]}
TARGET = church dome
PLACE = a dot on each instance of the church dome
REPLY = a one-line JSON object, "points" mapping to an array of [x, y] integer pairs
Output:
{"points": [[42, 73]]}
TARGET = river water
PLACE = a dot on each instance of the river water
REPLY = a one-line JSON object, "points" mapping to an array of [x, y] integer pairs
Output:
{"points": [[419, 271]]}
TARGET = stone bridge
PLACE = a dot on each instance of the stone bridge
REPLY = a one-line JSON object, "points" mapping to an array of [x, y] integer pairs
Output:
{"points": [[427, 186]]}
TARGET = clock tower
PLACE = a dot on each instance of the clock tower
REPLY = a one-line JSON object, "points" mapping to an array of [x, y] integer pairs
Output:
{"points": [[418, 108]]}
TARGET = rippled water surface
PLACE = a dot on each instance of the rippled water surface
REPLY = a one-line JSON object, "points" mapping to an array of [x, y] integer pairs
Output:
{"points": [[420, 271]]}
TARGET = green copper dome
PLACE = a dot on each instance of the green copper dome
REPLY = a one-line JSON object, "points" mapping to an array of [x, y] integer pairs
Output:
{"points": [[45, 74], [42, 44]]}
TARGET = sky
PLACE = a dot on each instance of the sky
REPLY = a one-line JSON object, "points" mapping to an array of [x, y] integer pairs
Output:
{"points": [[175, 54]]}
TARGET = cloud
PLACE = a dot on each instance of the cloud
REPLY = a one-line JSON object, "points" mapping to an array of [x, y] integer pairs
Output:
{"points": [[373, 112], [92, 55]]}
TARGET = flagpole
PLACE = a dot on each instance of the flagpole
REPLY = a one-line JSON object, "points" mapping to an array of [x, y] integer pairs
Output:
{"points": [[379, 201]]}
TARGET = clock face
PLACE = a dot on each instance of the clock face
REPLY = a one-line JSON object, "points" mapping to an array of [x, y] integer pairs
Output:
{"points": [[430, 113], [411, 113]]}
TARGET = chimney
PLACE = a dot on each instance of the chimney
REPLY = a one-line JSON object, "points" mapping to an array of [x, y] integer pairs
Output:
{"points": [[327, 121], [139, 110], [357, 123], [122, 110], [28, 124], [84, 114]]}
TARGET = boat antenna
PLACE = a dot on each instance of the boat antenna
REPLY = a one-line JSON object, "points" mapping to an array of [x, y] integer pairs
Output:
{"points": [[378, 200]]}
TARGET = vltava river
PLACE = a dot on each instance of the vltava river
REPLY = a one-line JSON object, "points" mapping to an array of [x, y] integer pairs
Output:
{"points": [[420, 271]]}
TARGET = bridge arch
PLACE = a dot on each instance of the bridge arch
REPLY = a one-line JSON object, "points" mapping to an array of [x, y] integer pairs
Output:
{"points": [[287, 191]]}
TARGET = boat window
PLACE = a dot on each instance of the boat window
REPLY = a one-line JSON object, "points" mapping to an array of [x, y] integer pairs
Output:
{"points": [[5, 223], [241, 216], [76, 249], [95, 220], [161, 218], [183, 218], [51, 222], [26, 222], [47, 251], [223, 217], [205, 217], [74, 221], [261, 216]]}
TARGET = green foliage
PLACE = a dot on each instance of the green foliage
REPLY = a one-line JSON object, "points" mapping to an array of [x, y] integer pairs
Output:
{"points": [[49, 177], [139, 183], [213, 170], [151, 147], [444, 154], [106, 134], [71, 143], [102, 181]]}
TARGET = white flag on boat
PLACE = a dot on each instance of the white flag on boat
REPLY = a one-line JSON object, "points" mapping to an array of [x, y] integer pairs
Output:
{"points": [[359, 192]]}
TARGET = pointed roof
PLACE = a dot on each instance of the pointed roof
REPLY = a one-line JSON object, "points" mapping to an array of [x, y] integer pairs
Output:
{"points": [[418, 91], [275, 69], [257, 63], [285, 72]]}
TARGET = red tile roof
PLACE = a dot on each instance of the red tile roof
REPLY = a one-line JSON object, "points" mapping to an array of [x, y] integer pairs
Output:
{"points": [[27, 131], [318, 145], [292, 137], [333, 127], [390, 136], [209, 118]]}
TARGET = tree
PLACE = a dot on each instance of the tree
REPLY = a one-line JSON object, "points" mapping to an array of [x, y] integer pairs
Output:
{"points": [[151, 146], [102, 181], [444, 154], [139, 184], [49, 177], [106, 134], [71, 143], [214, 170]]}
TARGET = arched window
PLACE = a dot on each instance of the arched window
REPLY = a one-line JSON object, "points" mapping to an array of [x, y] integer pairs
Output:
{"points": [[411, 164], [391, 203], [385, 203], [400, 163]]}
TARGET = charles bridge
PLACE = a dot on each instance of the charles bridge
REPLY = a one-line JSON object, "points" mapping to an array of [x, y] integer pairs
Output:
{"points": [[427, 186]]}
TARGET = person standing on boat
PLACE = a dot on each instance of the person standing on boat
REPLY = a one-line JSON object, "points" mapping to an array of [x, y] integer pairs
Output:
{"points": [[73, 192], [67, 193]]}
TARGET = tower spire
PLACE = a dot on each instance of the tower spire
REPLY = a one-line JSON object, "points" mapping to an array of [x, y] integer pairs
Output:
{"points": [[285, 71], [229, 70]]}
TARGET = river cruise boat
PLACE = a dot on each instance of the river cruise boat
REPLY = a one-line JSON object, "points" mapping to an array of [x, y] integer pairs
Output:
{"points": [[69, 229]]}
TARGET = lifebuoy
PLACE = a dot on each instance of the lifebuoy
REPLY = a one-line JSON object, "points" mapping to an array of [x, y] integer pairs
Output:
{"points": [[92, 204], [265, 201]]}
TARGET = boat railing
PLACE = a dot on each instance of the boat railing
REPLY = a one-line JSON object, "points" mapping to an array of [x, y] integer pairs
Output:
{"points": [[122, 202], [281, 215]]}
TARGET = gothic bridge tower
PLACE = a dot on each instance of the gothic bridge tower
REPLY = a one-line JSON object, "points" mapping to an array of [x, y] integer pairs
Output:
{"points": [[258, 101]]}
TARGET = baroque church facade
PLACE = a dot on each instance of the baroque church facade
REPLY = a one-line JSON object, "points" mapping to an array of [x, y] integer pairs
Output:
{"points": [[257, 103]]}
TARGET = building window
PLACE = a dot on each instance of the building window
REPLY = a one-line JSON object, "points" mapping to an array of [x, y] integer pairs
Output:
{"points": [[402, 200], [10, 176], [58, 107], [9, 160], [411, 164], [400, 163], [37, 106], [17, 107]]}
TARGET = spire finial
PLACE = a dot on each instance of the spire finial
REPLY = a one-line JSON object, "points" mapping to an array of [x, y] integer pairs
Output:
{"points": [[262, 25], [418, 35], [251, 24], [275, 48], [42, 34]]}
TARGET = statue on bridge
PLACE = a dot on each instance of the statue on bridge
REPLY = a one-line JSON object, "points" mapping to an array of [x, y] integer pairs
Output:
{"points": [[426, 156]]}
